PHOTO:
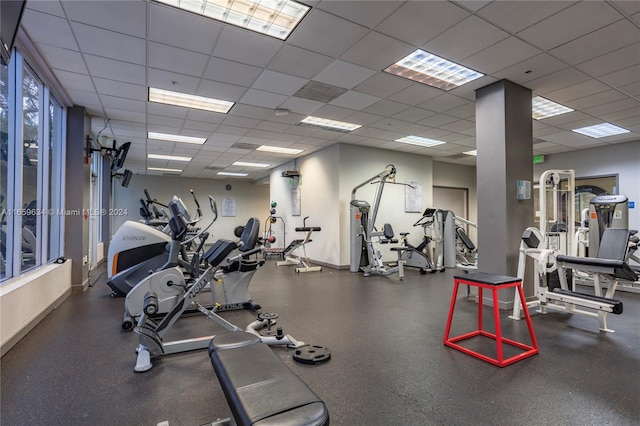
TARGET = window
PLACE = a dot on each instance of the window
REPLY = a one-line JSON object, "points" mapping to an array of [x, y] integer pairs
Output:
{"points": [[32, 134]]}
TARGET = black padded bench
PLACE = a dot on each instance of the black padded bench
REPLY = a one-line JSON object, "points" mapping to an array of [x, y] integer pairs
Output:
{"points": [[260, 389]]}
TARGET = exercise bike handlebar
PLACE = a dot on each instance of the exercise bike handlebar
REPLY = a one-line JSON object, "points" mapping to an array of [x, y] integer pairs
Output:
{"points": [[214, 210]]}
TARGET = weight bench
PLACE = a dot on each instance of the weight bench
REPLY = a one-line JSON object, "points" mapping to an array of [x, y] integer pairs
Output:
{"points": [[301, 261], [260, 389]]}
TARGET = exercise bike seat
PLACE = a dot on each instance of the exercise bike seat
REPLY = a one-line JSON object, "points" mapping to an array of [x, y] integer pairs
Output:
{"points": [[219, 251]]}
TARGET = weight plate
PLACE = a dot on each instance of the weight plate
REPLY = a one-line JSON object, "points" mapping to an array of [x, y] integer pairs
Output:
{"points": [[312, 354], [267, 316]]}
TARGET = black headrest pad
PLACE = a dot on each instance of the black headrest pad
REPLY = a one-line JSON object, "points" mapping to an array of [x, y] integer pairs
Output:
{"points": [[249, 237]]}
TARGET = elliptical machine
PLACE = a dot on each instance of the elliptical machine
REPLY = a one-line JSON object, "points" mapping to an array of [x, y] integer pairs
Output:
{"points": [[151, 334], [137, 249], [229, 288]]}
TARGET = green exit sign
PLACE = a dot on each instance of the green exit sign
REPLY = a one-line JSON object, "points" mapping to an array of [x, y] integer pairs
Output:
{"points": [[537, 159]]}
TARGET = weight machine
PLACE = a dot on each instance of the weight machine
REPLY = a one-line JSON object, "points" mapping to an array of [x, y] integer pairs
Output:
{"points": [[301, 261], [365, 256], [554, 269]]}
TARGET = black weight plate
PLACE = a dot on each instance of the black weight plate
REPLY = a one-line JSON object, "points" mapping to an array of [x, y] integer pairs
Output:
{"points": [[312, 354]]}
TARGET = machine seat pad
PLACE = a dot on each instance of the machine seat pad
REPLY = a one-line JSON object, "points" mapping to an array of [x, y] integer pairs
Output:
{"points": [[616, 305], [219, 251], [260, 389], [486, 278], [465, 239], [590, 261], [309, 228]]}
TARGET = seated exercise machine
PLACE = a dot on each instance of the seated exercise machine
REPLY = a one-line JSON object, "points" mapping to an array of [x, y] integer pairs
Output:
{"points": [[416, 256], [230, 289], [301, 261], [259, 387], [365, 256], [151, 334], [136, 249], [556, 271]]}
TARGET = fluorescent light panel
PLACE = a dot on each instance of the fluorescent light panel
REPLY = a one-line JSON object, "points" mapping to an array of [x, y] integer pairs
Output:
{"points": [[327, 124], [420, 141], [275, 18], [278, 150], [544, 108], [175, 138], [473, 152], [188, 101], [168, 157], [232, 174], [163, 169], [427, 68], [246, 164], [601, 130]]}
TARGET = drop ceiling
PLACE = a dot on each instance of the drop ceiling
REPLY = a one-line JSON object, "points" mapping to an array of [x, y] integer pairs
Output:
{"points": [[106, 54]]}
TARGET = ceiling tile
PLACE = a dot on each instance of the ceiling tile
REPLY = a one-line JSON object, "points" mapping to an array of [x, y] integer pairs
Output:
{"points": [[164, 120], [385, 107], [177, 60], [368, 13], [472, 4], [576, 91], [438, 120], [299, 62], [557, 80], [343, 74], [48, 29], [86, 99], [443, 102], [121, 89], [75, 81], [514, 16], [110, 44], [413, 115], [334, 112], [167, 111], [465, 39], [122, 16], [174, 27], [377, 51], [247, 47], [632, 89], [173, 81], [623, 77], [117, 113], [251, 111], [128, 105], [223, 91], [205, 116], [627, 6], [115, 70], [614, 61], [611, 107], [276, 82], [63, 59], [383, 85], [263, 99], [327, 34], [354, 100], [569, 24], [415, 94], [301, 106], [597, 43], [530, 69], [363, 118], [420, 21], [596, 99], [501, 55], [225, 71], [50, 7]]}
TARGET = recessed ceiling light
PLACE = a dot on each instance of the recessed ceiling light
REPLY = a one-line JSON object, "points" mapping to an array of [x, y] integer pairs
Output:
{"points": [[420, 141], [163, 169], [601, 130], [189, 101], [279, 150], [168, 157], [175, 138], [544, 108], [232, 174], [427, 68], [327, 124], [245, 164], [473, 152], [271, 17]]}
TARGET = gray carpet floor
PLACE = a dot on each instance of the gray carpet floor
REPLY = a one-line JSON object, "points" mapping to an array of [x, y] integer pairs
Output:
{"points": [[389, 366]]}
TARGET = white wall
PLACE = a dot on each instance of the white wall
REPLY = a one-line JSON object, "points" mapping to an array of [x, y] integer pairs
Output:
{"points": [[251, 200], [318, 200], [620, 159], [358, 164], [459, 176], [26, 300]]}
